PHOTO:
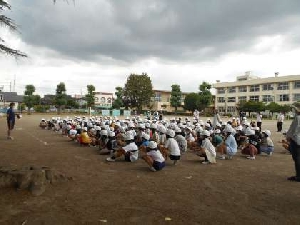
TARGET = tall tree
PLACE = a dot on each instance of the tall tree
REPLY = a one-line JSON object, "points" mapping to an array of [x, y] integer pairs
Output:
{"points": [[9, 23], [60, 96], [251, 106], [118, 102], [138, 91], [90, 96], [192, 101], [176, 94], [30, 100], [205, 95]]}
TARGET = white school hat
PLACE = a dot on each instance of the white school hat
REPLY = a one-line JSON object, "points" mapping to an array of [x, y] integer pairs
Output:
{"points": [[152, 145]]}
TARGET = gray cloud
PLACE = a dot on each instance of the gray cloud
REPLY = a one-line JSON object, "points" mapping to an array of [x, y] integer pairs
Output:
{"points": [[129, 30]]}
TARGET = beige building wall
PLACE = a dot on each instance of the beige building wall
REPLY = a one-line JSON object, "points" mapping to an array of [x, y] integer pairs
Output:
{"points": [[161, 101], [279, 89]]}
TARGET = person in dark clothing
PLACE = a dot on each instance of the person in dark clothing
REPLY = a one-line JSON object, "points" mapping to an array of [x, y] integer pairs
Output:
{"points": [[11, 119], [293, 137]]}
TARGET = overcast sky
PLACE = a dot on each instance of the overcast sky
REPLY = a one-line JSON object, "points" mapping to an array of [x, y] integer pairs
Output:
{"points": [[183, 42]]}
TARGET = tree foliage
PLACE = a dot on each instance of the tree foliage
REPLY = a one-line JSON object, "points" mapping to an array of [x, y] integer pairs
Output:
{"points": [[192, 101], [90, 96], [205, 95], [138, 91], [29, 99], [251, 106], [118, 102], [60, 96], [9, 23], [176, 94]]}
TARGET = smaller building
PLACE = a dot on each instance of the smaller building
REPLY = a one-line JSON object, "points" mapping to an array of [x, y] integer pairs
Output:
{"points": [[103, 100], [7, 97], [80, 99], [161, 101]]}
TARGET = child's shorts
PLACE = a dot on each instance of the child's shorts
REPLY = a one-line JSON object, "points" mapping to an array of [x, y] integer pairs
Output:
{"points": [[175, 157], [158, 165]]}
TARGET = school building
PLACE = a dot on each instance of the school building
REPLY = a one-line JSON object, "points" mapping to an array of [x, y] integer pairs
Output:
{"points": [[161, 101], [103, 99], [279, 89]]}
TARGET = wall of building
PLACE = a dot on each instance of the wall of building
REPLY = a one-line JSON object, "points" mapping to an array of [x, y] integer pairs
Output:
{"points": [[282, 90], [103, 99]]}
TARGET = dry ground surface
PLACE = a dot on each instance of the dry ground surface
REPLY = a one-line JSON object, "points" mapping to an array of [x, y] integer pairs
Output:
{"points": [[230, 192]]}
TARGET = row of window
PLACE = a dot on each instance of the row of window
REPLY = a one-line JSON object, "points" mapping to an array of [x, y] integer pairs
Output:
{"points": [[255, 88], [264, 98], [104, 100]]}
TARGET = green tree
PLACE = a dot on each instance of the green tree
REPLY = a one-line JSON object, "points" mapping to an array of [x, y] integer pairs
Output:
{"points": [[205, 95], [176, 94], [29, 99], [192, 101], [285, 108], [9, 23], [251, 106], [273, 107], [118, 102], [90, 96], [71, 103], [60, 96], [138, 91]]}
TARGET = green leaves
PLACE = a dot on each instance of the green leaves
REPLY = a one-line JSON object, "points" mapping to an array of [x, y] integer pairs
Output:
{"points": [[176, 94], [138, 91], [60, 96], [192, 101], [90, 96]]}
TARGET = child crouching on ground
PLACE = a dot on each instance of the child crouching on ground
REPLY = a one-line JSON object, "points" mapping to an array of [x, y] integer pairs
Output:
{"points": [[267, 145], [84, 138], [230, 143], [154, 158], [207, 150], [250, 148], [172, 146], [130, 151]]}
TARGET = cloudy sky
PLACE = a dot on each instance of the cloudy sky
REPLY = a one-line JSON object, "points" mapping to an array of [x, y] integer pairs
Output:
{"points": [[182, 42]]}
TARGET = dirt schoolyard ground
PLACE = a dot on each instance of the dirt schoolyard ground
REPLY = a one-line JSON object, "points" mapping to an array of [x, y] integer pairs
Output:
{"points": [[231, 192]]}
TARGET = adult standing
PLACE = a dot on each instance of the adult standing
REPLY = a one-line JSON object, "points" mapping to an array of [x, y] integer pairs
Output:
{"points": [[293, 137], [10, 120], [280, 119], [216, 119], [258, 120]]}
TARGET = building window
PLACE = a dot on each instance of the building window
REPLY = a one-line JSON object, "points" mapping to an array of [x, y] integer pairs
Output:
{"points": [[297, 84], [254, 98], [232, 89], [231, 99], [221, 109], [268, 98], [157, 97], [242, 98], [254, 88], [243, 89], [267, 87], [221, 90], [231, 109], [283, 86], [296, 97], [221, 99], [284, 98], [1, 98]]}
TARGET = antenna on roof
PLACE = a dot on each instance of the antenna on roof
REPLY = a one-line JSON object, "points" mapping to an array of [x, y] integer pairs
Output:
{"points": [[276, 74]]}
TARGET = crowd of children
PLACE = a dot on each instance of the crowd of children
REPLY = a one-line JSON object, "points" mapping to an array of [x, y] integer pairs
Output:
{"points": [[156, 140]]}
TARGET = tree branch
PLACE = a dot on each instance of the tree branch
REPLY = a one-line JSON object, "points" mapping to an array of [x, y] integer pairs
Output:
{"points": [[8, 22], [9, 51]]}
